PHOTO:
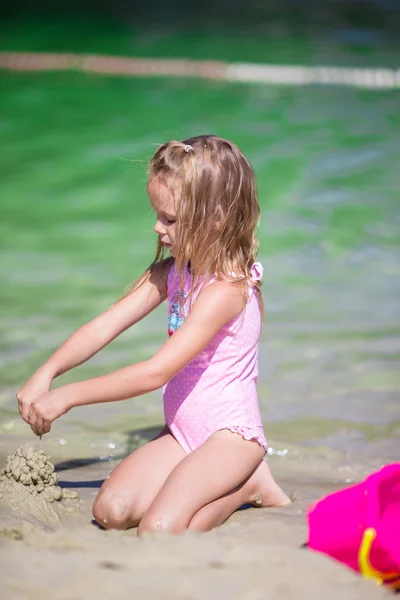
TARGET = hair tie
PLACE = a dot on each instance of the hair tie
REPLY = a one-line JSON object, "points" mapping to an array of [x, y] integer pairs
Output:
{"points": [[188, 147], [257, 271]]}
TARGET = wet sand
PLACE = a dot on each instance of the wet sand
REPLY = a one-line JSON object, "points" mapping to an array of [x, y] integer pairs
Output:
{"points": [[257, 554]]}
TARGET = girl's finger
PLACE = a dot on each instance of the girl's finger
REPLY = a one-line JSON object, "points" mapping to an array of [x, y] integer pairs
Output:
{"points": [[46, 426], [39, 425], [30, 413], [32, 419], [25, 414]]}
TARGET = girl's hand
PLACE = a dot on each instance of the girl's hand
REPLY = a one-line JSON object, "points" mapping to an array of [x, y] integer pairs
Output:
{"points": [[36, 386], [47, 409]]}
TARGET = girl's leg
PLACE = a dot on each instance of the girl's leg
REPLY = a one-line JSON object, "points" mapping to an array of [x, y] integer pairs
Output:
{"points": [[260, 489], [131, 488], [214, 469]]}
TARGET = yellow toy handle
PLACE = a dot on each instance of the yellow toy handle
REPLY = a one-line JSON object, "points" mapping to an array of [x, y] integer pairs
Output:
{"points": [[364, 564]]}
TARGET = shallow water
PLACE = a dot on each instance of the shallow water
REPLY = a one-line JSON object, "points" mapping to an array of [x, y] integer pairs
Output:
{"points": [[76, 228]]}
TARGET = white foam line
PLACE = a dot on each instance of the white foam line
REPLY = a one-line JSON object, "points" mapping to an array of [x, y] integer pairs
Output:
{"points": [[243, 72], [299, 75]]}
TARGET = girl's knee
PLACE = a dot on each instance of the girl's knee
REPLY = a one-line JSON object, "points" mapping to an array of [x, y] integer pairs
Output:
{"points": [[111, 511], [155, 523]]}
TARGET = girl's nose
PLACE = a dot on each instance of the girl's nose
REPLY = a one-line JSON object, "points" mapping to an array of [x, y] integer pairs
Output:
{"points": [[159, 228]]}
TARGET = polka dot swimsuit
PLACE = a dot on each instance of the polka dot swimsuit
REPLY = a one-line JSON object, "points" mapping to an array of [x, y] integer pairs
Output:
{"points": [[217, 389]]}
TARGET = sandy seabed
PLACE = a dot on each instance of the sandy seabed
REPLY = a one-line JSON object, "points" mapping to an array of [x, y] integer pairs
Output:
{"points": [[55, 549]]}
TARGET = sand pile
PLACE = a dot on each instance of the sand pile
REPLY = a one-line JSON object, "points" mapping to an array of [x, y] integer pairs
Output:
{"points": [[33, 470]]}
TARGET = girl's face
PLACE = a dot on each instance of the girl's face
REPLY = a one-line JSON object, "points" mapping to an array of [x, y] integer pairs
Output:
{"points": [[163, 205]]}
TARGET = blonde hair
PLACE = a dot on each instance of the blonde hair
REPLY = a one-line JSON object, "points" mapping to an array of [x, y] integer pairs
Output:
{"points": [[214, 190]]}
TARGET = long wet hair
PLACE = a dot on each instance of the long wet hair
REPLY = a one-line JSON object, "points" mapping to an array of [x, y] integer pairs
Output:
{"points": [[214, 189]]}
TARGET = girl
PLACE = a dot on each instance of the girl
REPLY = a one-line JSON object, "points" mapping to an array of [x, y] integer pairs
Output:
{"points": [[208, 459]]}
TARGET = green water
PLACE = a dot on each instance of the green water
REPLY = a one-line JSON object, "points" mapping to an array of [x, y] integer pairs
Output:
{"points": [[76, 228]]}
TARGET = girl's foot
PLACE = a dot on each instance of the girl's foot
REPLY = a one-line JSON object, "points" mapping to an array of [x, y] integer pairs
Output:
{"points": [[262, 490]]}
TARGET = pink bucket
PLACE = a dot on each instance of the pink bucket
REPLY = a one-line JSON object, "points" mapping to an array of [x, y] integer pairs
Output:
{"points": [[360, 526]]}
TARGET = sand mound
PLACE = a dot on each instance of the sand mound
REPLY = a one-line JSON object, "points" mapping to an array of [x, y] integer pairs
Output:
{"points": [[34, 470], [30, 497]]}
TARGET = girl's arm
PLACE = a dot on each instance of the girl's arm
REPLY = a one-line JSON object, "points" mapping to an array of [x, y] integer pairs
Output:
{"points": [[215, 306], [94, 335]]}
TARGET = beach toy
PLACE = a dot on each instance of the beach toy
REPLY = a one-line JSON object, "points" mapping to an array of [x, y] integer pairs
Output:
{"points": [[360, 526]]}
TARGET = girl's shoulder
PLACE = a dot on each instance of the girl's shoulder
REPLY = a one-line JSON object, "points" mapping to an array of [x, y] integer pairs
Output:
{"points": [[252, 282], [222, 300]]}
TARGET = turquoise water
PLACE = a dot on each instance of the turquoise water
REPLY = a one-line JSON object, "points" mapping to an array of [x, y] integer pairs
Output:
{"points": [[76, 228]]}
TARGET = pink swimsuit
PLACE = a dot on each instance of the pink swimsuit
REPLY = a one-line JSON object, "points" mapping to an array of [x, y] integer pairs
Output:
{"points": [[217, 389]]}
